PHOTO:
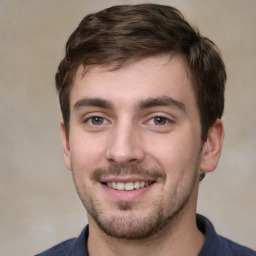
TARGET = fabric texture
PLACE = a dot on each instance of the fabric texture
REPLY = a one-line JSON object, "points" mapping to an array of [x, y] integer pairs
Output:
{"points": [[214, 245]]}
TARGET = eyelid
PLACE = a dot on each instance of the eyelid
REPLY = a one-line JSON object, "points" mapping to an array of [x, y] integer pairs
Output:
{"points": [[88, 117], [89, 120], [166, 118]]}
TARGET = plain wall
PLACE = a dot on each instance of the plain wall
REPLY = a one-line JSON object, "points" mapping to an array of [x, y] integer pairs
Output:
{"points": [[39, 205]]}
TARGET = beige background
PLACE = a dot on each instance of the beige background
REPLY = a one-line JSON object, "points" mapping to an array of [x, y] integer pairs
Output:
{"points": [[39, 205]]}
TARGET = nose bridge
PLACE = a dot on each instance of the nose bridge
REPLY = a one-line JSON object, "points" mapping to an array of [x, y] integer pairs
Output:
{"points": [[124, 143]]}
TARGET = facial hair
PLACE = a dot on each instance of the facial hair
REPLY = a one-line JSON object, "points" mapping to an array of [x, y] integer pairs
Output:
{"points": [[125, 222]]}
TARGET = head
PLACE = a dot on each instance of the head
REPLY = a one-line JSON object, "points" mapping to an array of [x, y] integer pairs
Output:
{"points": [[141, 94], [122, 34]]}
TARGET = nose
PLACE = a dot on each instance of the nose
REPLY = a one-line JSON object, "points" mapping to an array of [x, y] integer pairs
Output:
{"points": [[125, 145]]}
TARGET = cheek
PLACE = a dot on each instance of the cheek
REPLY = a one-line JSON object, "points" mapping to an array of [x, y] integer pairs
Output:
{"points": [[173, 147], [86, 153], [175, 154]]}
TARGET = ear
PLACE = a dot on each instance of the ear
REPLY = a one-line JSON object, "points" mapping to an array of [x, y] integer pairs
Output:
{"points": [[65, 145], [212, 147]]}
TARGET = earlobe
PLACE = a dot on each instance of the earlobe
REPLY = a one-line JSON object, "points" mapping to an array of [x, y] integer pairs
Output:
{"points": [[212, 147], [65, 145]]}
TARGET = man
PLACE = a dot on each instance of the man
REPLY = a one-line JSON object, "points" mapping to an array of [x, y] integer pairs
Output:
{"points": [[141, 94]]}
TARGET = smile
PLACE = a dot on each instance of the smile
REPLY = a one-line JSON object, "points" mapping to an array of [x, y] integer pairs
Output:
{"points": [[128, 186]]}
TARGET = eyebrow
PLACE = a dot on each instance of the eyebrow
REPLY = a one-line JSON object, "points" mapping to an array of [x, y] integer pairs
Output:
{"points": [[161, 101], [144, 104], [92, 102]]}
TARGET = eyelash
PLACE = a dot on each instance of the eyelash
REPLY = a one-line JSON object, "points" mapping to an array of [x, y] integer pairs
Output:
{"points": [[90, 120], [151, 121], [166, 120]]}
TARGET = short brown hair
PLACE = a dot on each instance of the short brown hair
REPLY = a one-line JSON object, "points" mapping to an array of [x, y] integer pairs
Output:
{"points": [[123, 33]]}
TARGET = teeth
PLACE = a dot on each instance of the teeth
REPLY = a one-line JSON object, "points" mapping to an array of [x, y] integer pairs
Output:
{"points": [[137, 185], [128, 185], [114, 185], [120, 186]]}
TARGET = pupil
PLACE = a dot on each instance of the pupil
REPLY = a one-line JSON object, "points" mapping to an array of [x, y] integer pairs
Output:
{"points": [[160, 120], [97, 120]]}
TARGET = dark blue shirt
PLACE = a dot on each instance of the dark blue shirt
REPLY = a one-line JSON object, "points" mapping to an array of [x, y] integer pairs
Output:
{"points": [[214, 245]]}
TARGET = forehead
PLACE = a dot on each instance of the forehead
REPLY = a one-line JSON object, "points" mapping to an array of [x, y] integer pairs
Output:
{"points": [[155, 76]]}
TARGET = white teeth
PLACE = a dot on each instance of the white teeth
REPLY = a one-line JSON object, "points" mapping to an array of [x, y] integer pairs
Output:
{"points": [[114, 185], [120, 186], [137, 185], [128, 185]]}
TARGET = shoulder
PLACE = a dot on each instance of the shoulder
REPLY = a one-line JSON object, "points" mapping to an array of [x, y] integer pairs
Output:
{"points": [[61, 249], [74, 246], [228, 247], [216, 245]]}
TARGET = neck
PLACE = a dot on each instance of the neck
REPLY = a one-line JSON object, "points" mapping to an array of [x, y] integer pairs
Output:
{"points": [[179, 237]]}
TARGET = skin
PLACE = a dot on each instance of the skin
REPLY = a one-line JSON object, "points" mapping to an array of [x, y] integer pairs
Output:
{"points": [[140, 122]]}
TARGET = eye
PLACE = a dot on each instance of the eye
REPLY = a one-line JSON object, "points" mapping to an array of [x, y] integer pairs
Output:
{"points": [[159, 120], [96, 120]]}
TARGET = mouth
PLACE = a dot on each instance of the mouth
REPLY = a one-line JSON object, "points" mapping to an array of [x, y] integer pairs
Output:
{"points": [[128, 186]]}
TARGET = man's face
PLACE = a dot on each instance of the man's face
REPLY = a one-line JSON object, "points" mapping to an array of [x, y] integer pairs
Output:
{"points": [[134, 146]]}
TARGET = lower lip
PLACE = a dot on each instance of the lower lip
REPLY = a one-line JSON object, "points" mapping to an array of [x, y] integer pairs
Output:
{"points": [[126, 195]]}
